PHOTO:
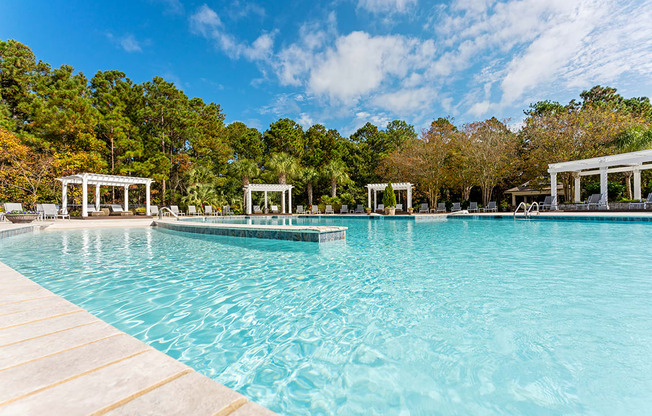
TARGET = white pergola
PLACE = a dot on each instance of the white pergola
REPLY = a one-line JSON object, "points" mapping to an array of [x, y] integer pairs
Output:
{"points": [[86, 179], [380, 187], [633, 162], [269, 187]]}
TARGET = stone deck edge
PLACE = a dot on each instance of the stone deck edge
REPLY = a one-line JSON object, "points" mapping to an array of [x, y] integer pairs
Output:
{"points": [[35, 359]]}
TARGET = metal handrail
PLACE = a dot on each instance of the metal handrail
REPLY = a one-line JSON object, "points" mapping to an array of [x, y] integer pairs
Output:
{"points": [[522, 204], [527, 209], [527, 214], [160, 213]]}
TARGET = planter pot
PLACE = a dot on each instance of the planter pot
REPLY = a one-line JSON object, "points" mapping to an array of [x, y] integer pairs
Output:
{"points": [[410, 211], [368, 210], [21, 218], [390, 211]]}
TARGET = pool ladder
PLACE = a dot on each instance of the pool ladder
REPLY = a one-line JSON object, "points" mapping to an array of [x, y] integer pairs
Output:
{"points": [[527, 210], [160, 213]]}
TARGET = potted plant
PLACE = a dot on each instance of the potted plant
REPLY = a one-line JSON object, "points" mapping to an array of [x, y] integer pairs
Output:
{"points": [[367, 210], [21, 217], [389, 200], [410, 211]]}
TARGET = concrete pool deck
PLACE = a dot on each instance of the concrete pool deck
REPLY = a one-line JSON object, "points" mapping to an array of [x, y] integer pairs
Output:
{"points": [[58, 359]]}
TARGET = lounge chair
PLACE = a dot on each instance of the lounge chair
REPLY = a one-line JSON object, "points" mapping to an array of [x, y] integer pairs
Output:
{"points": [[492, 207], [117, 209], [315, 209], [329, 210], [423, 209], [175, 210], [226, 210], [344, 209], [359, 209], [300, 209], [208, 210], [153, 210], [473, 207], [13, 206], [192, 210], [456, 207], [274, 209], [50, 211], [594, 200], [642, 204], [399, 207], [256, 209], [546, 204], [441, 207], [39, 211], [380, 208]]}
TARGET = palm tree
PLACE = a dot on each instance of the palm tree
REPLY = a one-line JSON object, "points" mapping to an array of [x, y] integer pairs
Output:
{"points": [[202, 194], [245, 169], [309, 176], [631, 140], [335, 171], [283, 165]]}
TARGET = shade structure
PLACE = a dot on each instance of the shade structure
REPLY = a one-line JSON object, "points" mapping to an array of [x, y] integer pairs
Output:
{"points": [[270, 187], [98, 179], [380, 187], [633, 162]]}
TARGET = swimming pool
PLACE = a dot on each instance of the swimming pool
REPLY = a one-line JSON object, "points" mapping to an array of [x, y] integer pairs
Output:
{"points": [[449, 317]]}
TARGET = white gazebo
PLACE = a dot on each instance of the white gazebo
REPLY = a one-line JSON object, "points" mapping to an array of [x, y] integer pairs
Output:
{"points": [[633, 162], [269, 187], [380, 187], [86, 179]]}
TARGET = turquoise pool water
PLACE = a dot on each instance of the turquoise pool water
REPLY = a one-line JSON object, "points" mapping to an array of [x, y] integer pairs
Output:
{"points": [[458, 317]]}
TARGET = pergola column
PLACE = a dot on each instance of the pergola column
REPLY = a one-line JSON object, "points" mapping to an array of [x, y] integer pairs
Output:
{"points": [[126, 208], [266, 201], [409, 196], [369, 197], [64, 197], [553, 190], [283, 202], [637, 183], [97, 197], [84, 196], [147, 195], [603, 188], [290, 200], [375, 200], [578, 195], [248, 201]]}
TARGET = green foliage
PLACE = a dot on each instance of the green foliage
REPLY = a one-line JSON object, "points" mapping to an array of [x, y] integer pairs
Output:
{"points": [[389, 197]]}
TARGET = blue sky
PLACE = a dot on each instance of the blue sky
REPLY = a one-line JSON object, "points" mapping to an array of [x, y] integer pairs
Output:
{"points": [[342, 63]]}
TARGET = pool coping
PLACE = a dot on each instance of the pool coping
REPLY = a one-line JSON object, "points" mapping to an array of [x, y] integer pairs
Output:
{"points": [[61, 360], [307, 233]]}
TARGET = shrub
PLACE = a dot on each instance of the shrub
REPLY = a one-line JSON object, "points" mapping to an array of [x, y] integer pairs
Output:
{"points": [[389, 198]]}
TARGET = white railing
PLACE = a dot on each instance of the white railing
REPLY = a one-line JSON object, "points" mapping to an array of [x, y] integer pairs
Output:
{"points": [[527, 210], [160, 213]]}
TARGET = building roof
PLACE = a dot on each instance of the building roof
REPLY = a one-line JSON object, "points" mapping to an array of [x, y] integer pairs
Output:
{"points": [[527, 188]]}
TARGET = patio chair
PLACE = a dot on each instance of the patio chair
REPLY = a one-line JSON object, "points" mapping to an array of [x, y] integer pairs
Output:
{"points": [[192, 210], [13, 206], [473, 207], [39, 211], [399, 207], [642, 204], [50, 211], [300, 209], [329, 210], [153, 210], [256, 209], [380, 208], [344, 209], [175, 210], [359, 209], [546, 204], [441, 207], [274, 209], [594, 200], [456, 207], [115, 209], [423, 209], [315, 209], [492, 207], [208, 210], [226, 210]]}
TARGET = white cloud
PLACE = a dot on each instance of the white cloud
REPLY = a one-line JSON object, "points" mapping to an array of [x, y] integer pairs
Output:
{"points": [[386, 6], [206, 22], [128, 42], [404, 101]]}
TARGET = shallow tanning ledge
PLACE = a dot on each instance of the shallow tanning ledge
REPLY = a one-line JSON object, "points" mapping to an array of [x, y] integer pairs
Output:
{"points": [[314, 234]]}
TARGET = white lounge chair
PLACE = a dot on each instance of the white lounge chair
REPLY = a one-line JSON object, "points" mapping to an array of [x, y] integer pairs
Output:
{"points": [[380, 208], [274, 209], [300, 209], [473, 207], [50, 211], [116, 209], [456, 207], [153, 210], [192, 210], [594, 200], [39, 211], [226, 210], [399, 207], [329, 210], [13, 206], [315, 209], [423, 209], [175, 210], [492, 207], [546, 204], [208, 210], [642, 204], [359, 209], [441, 207], [344, 209]]}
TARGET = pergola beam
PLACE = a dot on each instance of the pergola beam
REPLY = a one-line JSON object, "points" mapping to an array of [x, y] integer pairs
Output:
{"points": [[269, 187]]}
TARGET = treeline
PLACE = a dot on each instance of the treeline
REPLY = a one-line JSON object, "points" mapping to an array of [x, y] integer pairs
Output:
{"points": [[56, 122]]}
